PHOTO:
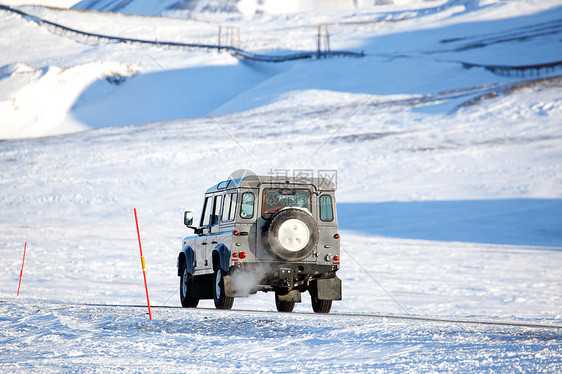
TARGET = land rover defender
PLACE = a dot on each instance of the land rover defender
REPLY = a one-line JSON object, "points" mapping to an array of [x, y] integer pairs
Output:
{"points": [[263, 233]]}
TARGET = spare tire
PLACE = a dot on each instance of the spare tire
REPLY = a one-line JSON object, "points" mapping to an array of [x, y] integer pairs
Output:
{"points": [[292, 234]]}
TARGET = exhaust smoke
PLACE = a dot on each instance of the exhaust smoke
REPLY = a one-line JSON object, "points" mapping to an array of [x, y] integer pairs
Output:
{"points": [[246, 282]]}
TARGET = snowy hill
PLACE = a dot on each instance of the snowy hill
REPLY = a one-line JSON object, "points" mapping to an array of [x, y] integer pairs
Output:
{"points": [[246, 7], [437, 56], [446, 139]]}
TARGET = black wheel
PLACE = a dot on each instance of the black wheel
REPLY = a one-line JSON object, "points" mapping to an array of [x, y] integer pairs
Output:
{"points": [[283, 306], [221, 300], [320, 306], [292, 234], [186, 281]]}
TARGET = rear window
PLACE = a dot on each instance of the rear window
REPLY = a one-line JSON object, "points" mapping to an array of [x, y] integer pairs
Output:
{"points": [[247, 206], [326, 211], [276, 199]]}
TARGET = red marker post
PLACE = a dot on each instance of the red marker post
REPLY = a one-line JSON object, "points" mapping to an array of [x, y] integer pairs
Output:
{"points": [[22, 262], [143, 265]]}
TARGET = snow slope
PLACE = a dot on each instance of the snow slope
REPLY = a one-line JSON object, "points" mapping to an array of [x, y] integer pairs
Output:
{"points": [[176, 85], [448, 186], [51, 3], [245, 7]]}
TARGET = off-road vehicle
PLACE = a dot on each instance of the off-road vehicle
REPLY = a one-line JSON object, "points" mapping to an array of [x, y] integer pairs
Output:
{"points": [[263, 234]]}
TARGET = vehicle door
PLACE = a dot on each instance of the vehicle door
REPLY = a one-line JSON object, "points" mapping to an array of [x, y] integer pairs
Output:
{"points": [[227, 217], [214, 229], [202, 263]]}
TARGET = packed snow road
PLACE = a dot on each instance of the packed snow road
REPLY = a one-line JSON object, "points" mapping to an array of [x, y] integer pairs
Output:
{"points": [[50, 336]]}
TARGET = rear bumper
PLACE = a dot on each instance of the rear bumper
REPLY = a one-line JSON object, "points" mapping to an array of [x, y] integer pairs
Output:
{"points": [[278, 277], [279, 269]]}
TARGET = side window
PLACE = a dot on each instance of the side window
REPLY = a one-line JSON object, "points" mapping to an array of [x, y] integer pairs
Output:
{"points": [[216, 209], [229, 207], [247, 209], [226, 207], [232, 213], [326, 212], [206, 211]]}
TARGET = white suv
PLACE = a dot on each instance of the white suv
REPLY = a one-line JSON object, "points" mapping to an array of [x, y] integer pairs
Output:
{"points": [[263, 234]]}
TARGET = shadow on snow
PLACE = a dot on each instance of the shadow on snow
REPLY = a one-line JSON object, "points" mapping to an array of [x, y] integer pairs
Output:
{"points": [[533, 222]]}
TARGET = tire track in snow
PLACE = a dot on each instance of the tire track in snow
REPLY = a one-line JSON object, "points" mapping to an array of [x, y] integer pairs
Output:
{"points": [[380, 316]]}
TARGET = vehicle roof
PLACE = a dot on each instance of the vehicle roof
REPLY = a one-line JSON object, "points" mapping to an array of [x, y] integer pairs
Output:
{"points": [[254, 181]]}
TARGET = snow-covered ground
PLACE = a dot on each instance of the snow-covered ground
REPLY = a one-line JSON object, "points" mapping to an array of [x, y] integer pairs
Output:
{"points": [[449, 184], [46, 337]]}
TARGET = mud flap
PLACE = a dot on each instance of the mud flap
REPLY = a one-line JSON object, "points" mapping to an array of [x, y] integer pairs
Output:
{"points": [[229, 290], [292, 296], [202, 287], [329, 289]]}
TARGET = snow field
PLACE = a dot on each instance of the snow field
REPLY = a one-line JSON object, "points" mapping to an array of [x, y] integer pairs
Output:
{"points": [[77, 201], [448, 186]]}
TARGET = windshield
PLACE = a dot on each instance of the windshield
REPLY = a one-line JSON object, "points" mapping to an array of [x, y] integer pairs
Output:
{"points": [[276, 199]]}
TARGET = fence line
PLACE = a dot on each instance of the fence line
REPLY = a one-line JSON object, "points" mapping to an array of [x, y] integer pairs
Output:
{"points": [[519, 70], [235, 51]]}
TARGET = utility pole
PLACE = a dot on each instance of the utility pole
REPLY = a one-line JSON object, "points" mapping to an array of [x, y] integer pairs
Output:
{"points": [[230, 36], [322, 37]]}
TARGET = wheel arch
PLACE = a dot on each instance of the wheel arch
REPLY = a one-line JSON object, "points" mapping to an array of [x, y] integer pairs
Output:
{"points": [[186, 258], [221, 257]]}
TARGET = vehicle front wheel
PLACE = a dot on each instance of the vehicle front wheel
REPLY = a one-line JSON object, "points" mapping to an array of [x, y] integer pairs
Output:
{"points": [[221, 300], [186, 281], [320, 306], [283, 306]]}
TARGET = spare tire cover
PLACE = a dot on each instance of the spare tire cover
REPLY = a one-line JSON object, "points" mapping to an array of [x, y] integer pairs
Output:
{"points": [[292, 234]]}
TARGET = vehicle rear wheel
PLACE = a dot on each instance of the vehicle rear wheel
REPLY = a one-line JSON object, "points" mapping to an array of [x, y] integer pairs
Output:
{"points": [[283, 306], [221, 300], [186, 282], [320, 306]]}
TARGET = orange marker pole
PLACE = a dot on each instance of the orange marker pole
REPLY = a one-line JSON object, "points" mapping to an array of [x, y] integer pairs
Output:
{"points": [[22, 262], [143, 265]]}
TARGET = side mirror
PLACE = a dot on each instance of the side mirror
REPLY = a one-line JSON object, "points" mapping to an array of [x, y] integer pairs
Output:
{"points": [[188, 218]]}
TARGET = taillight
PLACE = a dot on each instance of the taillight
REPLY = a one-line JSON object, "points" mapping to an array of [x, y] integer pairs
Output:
{"points": [[336, 258], [336, 236], [235, 232], [242, 254], [235, 254]]}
